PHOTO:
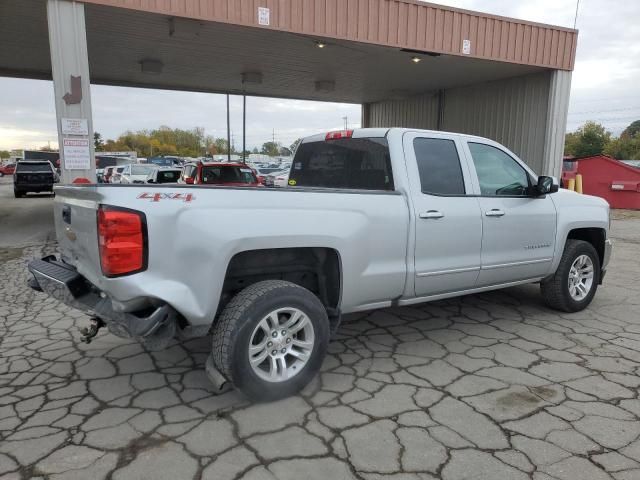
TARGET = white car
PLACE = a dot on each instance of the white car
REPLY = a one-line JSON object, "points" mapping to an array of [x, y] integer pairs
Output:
{"points": [[277, 179], [136, 173]]}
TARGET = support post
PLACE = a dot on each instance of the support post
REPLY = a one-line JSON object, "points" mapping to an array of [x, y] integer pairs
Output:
{"points": [[71, 86], [556, 124], [228, 132], [244, 128]]}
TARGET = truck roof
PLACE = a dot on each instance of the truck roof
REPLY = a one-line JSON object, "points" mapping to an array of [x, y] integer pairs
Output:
{"points": [[382, 132]]}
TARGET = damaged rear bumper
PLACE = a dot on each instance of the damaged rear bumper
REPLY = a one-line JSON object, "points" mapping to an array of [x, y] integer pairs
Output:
{"points": [[155, 326]]}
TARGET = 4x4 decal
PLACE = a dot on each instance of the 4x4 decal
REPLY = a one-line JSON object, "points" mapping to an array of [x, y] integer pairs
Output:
{"points": [[156, 197]]}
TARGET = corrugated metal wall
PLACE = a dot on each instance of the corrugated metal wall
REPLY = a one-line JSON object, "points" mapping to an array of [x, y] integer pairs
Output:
{"points": [[398, 23], [512, 112], [556, 122], [416, 112]]}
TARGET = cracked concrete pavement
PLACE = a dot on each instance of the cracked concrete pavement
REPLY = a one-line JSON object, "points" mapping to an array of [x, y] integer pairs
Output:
{"points": [[492, 386]]}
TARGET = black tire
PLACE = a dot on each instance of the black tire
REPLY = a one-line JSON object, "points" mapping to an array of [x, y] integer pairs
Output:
{"points": [[555, 290], [233, 330]]}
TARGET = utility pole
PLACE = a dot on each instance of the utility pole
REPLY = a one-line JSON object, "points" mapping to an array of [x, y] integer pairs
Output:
{"points": [[346, 122], [273, 136], [244, 128]]}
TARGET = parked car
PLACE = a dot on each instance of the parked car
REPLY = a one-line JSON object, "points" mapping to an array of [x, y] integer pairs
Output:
{"points": [[116, 174], [136, 173], [100, 175], [7, 169], [374, 218], [276, 179], [33, 176], [107, 174], [217, 173], [164, 175]]}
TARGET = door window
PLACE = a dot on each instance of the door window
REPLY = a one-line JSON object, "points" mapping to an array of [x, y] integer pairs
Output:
{"points": [[498, 173], [439, 166]]}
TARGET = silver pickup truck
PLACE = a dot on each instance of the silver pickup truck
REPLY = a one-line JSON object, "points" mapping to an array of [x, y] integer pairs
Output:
{"points": [[371, 218]]}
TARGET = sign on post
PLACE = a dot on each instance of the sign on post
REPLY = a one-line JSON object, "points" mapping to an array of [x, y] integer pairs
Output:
{"points": [[75, 126], [76, 153]]}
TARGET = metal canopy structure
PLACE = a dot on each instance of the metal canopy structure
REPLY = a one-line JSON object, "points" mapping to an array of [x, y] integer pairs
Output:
{"points": [[408, 63]]}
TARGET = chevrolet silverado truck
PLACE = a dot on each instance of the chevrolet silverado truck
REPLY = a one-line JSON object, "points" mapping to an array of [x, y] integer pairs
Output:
{"points": [[371, 218]]}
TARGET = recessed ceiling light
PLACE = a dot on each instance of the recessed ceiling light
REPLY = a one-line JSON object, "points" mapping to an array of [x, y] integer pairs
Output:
{"points": [[415, 59], [320, 44]]}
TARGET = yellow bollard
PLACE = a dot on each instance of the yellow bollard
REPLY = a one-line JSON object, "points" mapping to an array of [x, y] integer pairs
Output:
{"points": [[571, 184], [579, 182]]}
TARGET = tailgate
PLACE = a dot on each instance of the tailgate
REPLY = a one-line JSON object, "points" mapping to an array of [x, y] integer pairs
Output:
{"points": [[75, 211], [34, 178]]}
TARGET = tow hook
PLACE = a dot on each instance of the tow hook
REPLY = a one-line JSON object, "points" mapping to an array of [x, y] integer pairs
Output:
{"points": [[92, 331]]}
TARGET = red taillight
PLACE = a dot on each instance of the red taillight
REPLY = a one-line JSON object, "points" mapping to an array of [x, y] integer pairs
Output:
{"points": [[81, 180], [339, 134], [121, 240]]}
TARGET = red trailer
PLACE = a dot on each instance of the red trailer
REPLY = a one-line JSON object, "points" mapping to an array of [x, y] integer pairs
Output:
{"points": [[606, 177]]}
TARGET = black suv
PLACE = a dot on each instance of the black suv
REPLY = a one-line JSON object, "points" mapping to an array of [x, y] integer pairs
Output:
{"points": [[33, 176]]}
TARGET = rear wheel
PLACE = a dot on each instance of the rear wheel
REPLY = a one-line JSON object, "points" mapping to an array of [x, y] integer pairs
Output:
{"points": [[270, 340], [576, 280]]}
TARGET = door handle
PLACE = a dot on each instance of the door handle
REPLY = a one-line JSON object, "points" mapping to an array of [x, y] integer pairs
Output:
{"points": [[431, 214], [495, 212]]}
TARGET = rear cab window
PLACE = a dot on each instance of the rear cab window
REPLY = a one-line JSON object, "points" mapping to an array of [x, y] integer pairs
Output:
{"points": [[349, 163], [439, 166], [33, 167], [213, 175]]}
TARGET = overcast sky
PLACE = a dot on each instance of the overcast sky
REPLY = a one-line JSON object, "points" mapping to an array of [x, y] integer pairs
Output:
{"points": [[604, 87]]}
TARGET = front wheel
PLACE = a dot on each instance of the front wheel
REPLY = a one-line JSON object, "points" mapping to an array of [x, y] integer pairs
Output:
{"points": [[576, 280], [270, 339]]}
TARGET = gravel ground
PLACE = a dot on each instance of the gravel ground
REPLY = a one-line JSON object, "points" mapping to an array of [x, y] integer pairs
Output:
{"points": [[492, 386]]}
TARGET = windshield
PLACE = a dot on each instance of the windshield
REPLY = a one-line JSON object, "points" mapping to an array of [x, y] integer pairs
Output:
{"points": [[120, 169], [141, 170], [358, 163], [168, 176], [227, 174], [34, 167]]}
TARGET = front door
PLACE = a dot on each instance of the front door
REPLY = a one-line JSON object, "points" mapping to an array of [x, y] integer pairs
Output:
{"points": [[448, 225], [519, 230]]}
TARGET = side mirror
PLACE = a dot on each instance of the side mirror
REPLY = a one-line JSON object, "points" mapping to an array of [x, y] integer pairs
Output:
{"points": [[546, 185], [150, 181], [188, 180]]}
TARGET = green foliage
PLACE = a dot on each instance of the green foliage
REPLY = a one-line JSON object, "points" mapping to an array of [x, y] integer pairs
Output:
{"points": [[98, 144], [167, 141], [590, 139], [5, 153], [593, 139], [271, 148]]}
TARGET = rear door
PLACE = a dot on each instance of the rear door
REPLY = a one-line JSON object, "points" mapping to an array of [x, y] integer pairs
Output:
{"points": [[448, 229], [519, 230]]}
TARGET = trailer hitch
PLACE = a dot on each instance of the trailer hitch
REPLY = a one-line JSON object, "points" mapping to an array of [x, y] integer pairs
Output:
{"points": [[87, 334]]}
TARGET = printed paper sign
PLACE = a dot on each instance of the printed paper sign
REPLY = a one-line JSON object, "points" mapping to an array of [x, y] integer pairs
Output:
{"points": [[466, 47], [263, 16], [75, 126], [77, 154]]}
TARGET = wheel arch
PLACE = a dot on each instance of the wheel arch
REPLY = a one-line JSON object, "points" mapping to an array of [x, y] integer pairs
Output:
{"points": [[318, 269], [594, 235]]}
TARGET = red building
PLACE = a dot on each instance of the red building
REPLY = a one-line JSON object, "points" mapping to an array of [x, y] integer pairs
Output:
{"points": [[606, 177]]}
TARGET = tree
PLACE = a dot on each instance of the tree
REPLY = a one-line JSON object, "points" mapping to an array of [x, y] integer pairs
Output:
{"points": [[97, 141], [5, 154], [632, 131], [255, 150], [590, 139], [271, 148]]}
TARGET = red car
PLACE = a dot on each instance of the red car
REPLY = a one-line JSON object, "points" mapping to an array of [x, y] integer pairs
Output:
{"points": [[7, 169], [217, 173]]}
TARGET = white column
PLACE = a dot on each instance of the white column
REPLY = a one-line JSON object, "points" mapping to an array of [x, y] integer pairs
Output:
{"points": [[69, 58], [556, 125]]}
